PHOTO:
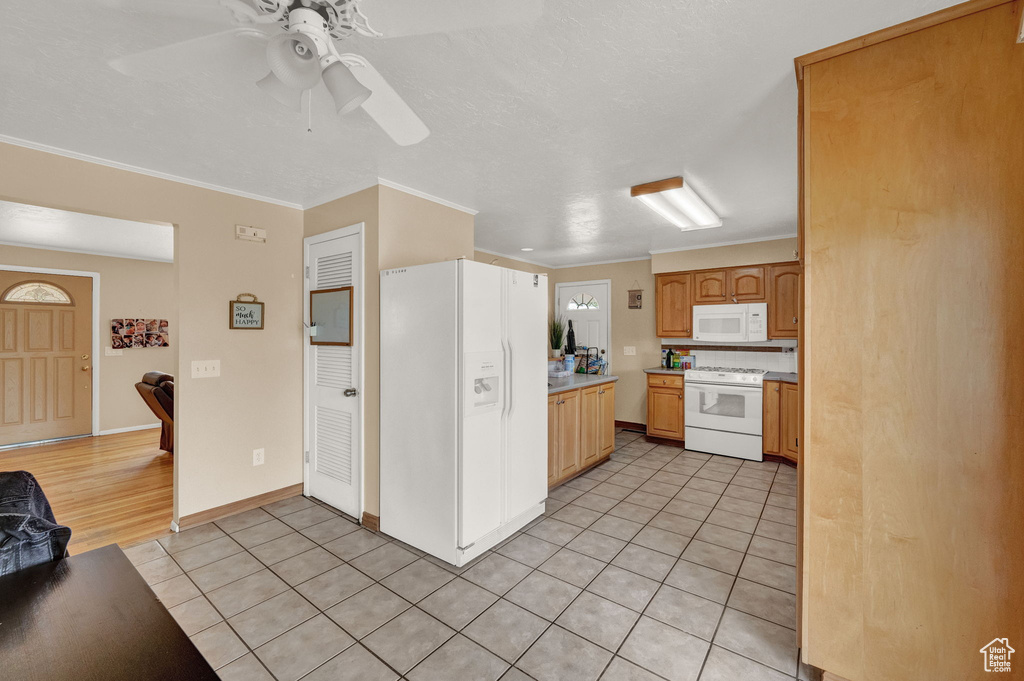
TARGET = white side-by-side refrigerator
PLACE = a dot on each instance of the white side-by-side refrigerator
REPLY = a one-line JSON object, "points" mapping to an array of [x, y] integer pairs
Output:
{"points": [[463, 417]]}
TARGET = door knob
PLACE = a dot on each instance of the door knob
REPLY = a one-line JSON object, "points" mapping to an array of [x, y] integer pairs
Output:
{"points": [[351, 392], [85, 357], [85, 368], [794, 320]]}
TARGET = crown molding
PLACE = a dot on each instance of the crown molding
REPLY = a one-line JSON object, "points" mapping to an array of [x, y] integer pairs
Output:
{"points": [[335, 194], [143, 171], [723, 243], [428, 197]]}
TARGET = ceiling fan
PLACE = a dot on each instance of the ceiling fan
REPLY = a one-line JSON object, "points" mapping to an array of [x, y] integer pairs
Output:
{"points": [[297, 40]]}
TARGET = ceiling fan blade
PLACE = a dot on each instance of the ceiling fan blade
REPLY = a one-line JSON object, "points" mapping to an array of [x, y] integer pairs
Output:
{"points": [[385, 106], [238, 51], [395, 18], [209, 11]]}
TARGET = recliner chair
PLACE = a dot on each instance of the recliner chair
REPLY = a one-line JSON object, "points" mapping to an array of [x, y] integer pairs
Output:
{"points": [[157, 390]]}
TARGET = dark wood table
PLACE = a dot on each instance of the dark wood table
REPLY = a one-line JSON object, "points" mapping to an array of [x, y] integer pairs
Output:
{"points": [[91, 617]]}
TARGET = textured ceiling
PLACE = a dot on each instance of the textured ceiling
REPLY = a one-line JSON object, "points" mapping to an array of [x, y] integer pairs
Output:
{"points": [[38, 227], [540, 127]]}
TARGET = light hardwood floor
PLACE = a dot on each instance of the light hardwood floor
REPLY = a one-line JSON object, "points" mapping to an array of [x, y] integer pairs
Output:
{"points": [[107, 489]]}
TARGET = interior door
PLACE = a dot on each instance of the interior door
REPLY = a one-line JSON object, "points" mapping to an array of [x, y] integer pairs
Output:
{"points": [[334, 403], [586, 304], [45, 357]]}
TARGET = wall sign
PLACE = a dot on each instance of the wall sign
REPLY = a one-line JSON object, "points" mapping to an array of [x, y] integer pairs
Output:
{"points": [[635, 299], [245, 314]]}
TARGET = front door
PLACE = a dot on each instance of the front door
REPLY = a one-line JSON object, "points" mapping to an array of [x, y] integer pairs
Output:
{"points": [[334, 418], [586, 304], [45, 357]]}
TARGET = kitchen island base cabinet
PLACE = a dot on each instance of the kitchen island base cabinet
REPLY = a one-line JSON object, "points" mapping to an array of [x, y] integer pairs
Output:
{"points": [[665, 407], [581, 430]]}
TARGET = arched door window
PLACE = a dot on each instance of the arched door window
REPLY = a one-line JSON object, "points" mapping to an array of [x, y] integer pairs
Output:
{"points": [[582, 301], [37, 292]]}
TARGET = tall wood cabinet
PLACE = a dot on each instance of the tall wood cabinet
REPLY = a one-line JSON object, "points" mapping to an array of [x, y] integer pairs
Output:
{"points": [[581, 430], [911, 213]]}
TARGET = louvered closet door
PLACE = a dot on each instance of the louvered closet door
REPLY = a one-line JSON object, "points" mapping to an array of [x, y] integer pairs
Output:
{"points": [[334, 466]]}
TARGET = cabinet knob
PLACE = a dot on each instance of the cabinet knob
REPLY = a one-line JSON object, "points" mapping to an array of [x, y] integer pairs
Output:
{"points": [[776, 388], [794, 320], [680, 397]]}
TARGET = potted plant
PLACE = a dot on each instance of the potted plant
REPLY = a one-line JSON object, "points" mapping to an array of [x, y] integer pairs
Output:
{"points": [[556, 336]]}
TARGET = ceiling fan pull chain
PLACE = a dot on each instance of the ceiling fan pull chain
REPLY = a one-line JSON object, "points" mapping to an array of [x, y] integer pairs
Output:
{"points": [[310, 103]]}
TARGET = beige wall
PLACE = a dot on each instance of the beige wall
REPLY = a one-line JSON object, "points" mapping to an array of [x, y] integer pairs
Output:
{"points": [[629, 327], [257, 400], [400, 230], [128, 288], [777, 250]]}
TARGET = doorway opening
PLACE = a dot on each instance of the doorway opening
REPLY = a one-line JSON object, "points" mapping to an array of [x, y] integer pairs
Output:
{"points": [[88, 311]]}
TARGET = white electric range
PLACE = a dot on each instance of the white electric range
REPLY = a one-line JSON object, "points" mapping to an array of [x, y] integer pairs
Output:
{"points": [[724, 411]]}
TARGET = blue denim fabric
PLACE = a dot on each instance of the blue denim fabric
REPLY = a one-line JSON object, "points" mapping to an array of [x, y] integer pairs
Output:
{"points": [[29, 534]]}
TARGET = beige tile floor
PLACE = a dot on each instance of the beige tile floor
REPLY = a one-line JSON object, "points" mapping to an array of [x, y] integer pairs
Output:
{"points": [[659, 564]]}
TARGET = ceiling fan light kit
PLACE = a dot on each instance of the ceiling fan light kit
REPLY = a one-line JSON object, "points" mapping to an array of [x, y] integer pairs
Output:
{"points": [[300, 40], [676, 201]]}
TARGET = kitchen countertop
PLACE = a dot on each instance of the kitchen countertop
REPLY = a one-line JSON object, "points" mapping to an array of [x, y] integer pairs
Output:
{"points": [[663, 370], [781, 376], [770, 376], [574, 381]]}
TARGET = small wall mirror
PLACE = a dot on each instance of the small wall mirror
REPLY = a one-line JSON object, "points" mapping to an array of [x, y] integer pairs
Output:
{"points": [[330, 314]]}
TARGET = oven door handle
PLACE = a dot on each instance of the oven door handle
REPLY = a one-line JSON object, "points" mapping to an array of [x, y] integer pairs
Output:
{"points": [[744, 388]]}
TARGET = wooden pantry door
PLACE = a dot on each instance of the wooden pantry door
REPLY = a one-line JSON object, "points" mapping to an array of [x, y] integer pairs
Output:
{"points": [[45, 356]]}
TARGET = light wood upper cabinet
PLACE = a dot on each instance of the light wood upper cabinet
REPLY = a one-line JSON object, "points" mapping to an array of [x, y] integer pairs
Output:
{"points": [[783, 301], [665, 416], [606, 420], [710, 287], [790, 422], [747, 285], [672, 294], [590, 426], [771, 417]]}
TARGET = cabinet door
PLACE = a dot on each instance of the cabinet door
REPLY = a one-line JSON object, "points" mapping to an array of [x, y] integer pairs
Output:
{"points": [[553, 453], [770, 417], [672, 304], [665, 412], [747, 285], [790, 443], [783, 301], [710, 287], [590, 425], [568, 433], [606, 420]]}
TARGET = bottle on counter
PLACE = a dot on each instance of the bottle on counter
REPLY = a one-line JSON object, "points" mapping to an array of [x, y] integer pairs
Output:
{"points": [[668, 359]]}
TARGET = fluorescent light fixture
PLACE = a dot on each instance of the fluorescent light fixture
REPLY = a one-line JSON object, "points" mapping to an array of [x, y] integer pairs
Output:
{"points": [[676, 201], [526, 249]]}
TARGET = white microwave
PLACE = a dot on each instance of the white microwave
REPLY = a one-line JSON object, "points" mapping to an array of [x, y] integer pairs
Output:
{"points": [[736, 323]]}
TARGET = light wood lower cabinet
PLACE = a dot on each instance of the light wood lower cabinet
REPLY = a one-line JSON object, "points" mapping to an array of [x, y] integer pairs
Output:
{"points": [[581, 430], [781, 420], [665, 406]]}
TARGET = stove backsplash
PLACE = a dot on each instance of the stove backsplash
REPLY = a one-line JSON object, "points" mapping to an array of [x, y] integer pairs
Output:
{"points": [[770, 361]]}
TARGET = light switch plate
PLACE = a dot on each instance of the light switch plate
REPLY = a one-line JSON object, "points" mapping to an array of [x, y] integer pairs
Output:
{"points": [[629, 350], [206, 368], [111, 352], [258, 457]]}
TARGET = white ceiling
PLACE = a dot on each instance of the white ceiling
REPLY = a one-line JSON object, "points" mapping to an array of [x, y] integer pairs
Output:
{"points": [[37, 227], [541, 127]]}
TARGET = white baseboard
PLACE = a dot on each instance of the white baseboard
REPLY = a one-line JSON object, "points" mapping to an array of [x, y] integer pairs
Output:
{"points": [[129, 429]]}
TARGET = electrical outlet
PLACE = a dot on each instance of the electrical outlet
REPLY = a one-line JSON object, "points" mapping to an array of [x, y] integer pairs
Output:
{"points": [[257, 457], [111, 352], [207, 368], [629, 350]]}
